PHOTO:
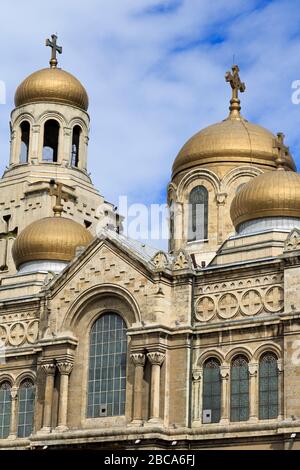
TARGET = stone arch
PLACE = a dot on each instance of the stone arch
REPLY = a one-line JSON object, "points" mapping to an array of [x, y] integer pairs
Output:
{"points": [[265, 348], [94, 302], [236, 173], [238, 351], [7, 378], [27, 374], [212, 353], [191, 177]]}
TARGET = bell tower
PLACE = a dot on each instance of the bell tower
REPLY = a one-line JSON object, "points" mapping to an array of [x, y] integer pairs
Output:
{"points": [[49, 142]]}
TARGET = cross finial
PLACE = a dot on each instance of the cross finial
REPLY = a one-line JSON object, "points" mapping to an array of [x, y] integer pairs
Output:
{"points": [[283, 151], [237, 85], [55, 48], [56, 189]]}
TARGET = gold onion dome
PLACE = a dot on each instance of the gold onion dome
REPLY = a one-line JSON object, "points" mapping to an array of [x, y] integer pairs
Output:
{"points": [[50, 239], [272, 194], [52, 85], [234, 140]]}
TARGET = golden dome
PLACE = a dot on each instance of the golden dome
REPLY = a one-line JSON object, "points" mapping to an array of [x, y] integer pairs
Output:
{"points": [[51, 239], [271, 194], [54, 85], [233, 140]]}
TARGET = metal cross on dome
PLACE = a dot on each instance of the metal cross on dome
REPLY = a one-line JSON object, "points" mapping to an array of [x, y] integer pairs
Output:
{"points": [[55, 48], [283, 150], [236, 85]]}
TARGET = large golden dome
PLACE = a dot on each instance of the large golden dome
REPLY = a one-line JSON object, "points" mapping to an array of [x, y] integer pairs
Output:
{"points": [[233, 140], [50, 239], [272, 194], [54, 85]]}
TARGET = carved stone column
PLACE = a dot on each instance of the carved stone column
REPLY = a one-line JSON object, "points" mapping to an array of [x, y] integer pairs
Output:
{"points": [[281, 411], [65, 369], [14, 412], [49, 370], [156, 359], [221, 200], [138, 360], [225, 399], [253, 392], [197, 395]]}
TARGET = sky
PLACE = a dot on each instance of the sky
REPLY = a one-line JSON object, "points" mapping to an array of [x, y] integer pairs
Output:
{"points": [[154, 71]]}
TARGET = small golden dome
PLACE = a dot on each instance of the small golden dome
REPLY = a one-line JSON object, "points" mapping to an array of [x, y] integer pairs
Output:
{"points": [[50, 239], [272, 194], [233, 140], [52, 85]]}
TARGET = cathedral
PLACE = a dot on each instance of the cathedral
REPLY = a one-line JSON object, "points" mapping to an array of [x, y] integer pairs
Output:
{"points": [[107, 343]]}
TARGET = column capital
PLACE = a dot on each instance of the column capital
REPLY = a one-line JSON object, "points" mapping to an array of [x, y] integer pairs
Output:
{"points": [[280, 365], [65, 367], [48, 368], [138, 359], [253, 368], [156, 358], [14, 392], [197, 375], [224, 372]]}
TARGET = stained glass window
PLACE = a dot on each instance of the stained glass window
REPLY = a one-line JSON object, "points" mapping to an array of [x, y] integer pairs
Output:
{"points": [[107, 367], [268, 387], [5, 409], [198, 214], [212, 389], [239, 404], [26, 408]]}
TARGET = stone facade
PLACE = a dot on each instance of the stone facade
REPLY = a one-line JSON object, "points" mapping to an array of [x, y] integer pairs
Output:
{"points": [[238, 297]]}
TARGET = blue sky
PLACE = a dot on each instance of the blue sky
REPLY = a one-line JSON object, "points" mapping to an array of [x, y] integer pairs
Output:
{"points": [[154, 71]]}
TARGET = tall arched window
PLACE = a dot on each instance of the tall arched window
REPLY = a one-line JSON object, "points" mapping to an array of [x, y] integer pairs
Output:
{"points": [[198, 214], [239, 402], [212, 389], [107, 367], [51, 136], [75, 145], [5, 409], [268, 386], [26, 397], [25, 137]]}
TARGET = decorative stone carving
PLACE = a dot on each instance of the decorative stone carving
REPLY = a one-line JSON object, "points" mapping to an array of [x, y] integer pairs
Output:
{"points": [[228, 306], [17, 334], [197, 375], [3, 334], [138, 359], [274, 299], [32, 331], [65, 367], [181, 261], [160, 260], [251, 302], [48, 368], [292, 242], [253, 368], [205, 308], [156, 358]]}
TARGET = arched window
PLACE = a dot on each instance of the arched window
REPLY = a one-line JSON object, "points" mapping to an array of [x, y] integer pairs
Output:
{"points": [[268, 386], [51, 136], [25, 137], [212, 389], [239, 403], [107, 367], [5, 409], [26, 397], [198, 214], [75, 145]]}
